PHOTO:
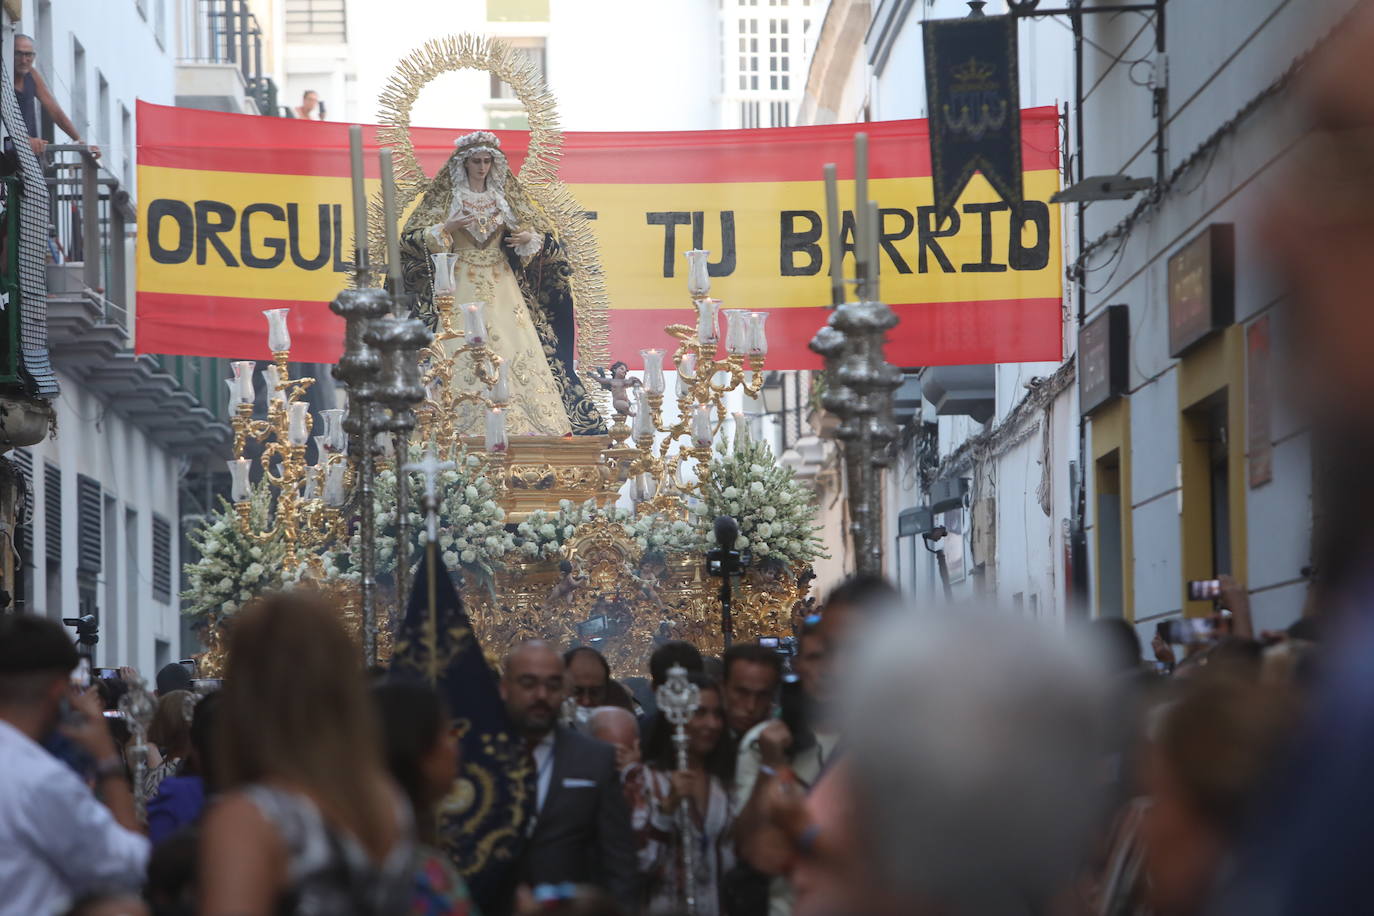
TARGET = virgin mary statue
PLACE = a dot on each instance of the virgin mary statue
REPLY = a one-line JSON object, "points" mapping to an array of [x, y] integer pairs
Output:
{"points": [[508, 258]]}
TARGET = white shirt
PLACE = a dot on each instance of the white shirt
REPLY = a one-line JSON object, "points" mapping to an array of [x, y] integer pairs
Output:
{"points": [[56, 839]]}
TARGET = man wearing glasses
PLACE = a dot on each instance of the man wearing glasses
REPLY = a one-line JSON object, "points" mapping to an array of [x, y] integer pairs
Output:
{"points": [[31, 88]]}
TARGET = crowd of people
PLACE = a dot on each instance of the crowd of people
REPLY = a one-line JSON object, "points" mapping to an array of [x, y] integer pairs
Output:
{"points": [[903, 761]]}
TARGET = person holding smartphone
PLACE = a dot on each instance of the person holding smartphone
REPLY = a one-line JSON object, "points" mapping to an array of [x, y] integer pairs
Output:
{"points": [[57, 840]]}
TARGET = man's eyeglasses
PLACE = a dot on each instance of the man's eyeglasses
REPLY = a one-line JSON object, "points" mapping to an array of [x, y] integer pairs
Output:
{"points": [[25, 53]]}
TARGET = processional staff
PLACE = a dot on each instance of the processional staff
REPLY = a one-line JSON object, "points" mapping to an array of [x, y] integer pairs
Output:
{"points": [[431, 467], [678, 700]]}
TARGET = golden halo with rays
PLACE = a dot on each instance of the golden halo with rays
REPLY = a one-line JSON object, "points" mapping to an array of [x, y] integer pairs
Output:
{"points": [[538, 173]]}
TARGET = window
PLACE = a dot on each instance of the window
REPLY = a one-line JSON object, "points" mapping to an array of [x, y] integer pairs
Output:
{"points": [[780, 114], [517, 10], [88, 524], [23, 534], [162, 559], [52, 538], [318, 21], [160, 22], [748, 114], [533, 50], [102, 96], [126, 137]]}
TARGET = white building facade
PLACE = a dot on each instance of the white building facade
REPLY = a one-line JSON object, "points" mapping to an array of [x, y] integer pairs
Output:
{"points": [[101, 527]]}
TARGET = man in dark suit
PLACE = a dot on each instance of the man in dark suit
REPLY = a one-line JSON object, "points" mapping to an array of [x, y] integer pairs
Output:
{"points": [[581, 832]]}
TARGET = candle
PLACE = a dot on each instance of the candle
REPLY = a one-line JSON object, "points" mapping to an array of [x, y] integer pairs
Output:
{"points": [[276, 390], [393, 241], [311, 480], [708, 321], [860, 196], [874, 236], [698, 274], [742, 433], [736, 331], [334, 483], [701, 426], [500, 392], [833, 230], [474, 325], [758, 335], [496, 430], [653, 371], [686, 373], [335, 439], [238, 478], [355, 155], [278, 335], [242, 387], [644, 421], [443, 273], [298, 422], [649, 485]]}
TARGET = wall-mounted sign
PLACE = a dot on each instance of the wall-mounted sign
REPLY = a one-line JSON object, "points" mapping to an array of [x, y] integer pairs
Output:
{"points": [[1258, 400], [1103, 358], [1202, 287]]}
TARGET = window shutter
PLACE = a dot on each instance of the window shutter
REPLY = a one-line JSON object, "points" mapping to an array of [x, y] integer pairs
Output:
{"points": [[162, 559], [88, 524], [52, 512], [23, 526]]}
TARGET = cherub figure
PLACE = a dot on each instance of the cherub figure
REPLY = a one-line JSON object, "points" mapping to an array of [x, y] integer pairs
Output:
{"points": [[618, 383], [572, 580]]}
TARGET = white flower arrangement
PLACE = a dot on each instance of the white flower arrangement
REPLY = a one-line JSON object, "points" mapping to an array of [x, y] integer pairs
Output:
{"points": [[233, 568], [776, 515], [472, 527]]}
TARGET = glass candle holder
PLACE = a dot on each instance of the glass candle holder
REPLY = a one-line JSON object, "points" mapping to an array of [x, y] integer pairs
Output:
{"points": [[496, 430], [737, 330], [278, 335], [239, 487], [698, 274], [758, 334], [335, 439], [298, 422], [500, 392], [276, 388], [474, 325], [443, 273], [686, 374], [310, 480], [701, 426], [743, 435], [653, 371], [334, 473], [643, 426], [243, 381], [708, 321]]}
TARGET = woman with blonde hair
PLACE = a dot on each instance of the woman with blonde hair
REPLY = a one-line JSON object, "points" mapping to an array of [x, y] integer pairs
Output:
{"points": [[309, 821]]}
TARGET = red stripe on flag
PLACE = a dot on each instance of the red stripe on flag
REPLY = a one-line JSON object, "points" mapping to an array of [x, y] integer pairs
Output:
{"points": [[217, 141], [944, 333], [233, 328]]}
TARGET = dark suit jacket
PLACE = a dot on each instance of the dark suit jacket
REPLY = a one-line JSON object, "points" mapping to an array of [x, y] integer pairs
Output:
{"points": [[583, 833]]}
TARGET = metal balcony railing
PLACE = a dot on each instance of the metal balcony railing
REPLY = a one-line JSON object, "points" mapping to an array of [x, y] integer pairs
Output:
{"points": [[227, 32], [89, 218]]}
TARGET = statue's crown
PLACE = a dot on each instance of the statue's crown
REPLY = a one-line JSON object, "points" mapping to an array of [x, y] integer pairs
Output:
{"points": [[478, 139]]}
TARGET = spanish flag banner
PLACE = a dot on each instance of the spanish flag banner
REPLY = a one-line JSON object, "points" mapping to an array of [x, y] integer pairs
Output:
{"points": [[242, 213]]}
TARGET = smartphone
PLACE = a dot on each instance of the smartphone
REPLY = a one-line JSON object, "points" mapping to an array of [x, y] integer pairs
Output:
{"points": [[203, 685], [108, 674], [1204, 589], [81, 674], [768, 642], [1185, 632]]}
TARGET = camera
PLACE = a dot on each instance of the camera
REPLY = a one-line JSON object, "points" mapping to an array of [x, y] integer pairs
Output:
{"points": [[87, 628], [1187, 631]]}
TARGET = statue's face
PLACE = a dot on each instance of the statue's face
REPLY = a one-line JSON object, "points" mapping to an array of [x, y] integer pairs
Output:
{"points": [[478, 167]]}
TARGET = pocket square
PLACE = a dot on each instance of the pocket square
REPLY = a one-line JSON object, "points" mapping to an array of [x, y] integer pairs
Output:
{"points": [[571, 783]]}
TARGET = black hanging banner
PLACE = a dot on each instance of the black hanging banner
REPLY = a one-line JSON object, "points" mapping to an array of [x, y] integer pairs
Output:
{"points": [[973, 96]]}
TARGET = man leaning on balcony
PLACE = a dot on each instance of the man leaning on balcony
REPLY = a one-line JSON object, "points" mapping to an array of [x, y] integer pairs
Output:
{"points": [[31, 88]]}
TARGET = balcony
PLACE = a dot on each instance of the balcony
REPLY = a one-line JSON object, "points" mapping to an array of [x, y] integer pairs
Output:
{"points": [[221, 65], [90, 255]]}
